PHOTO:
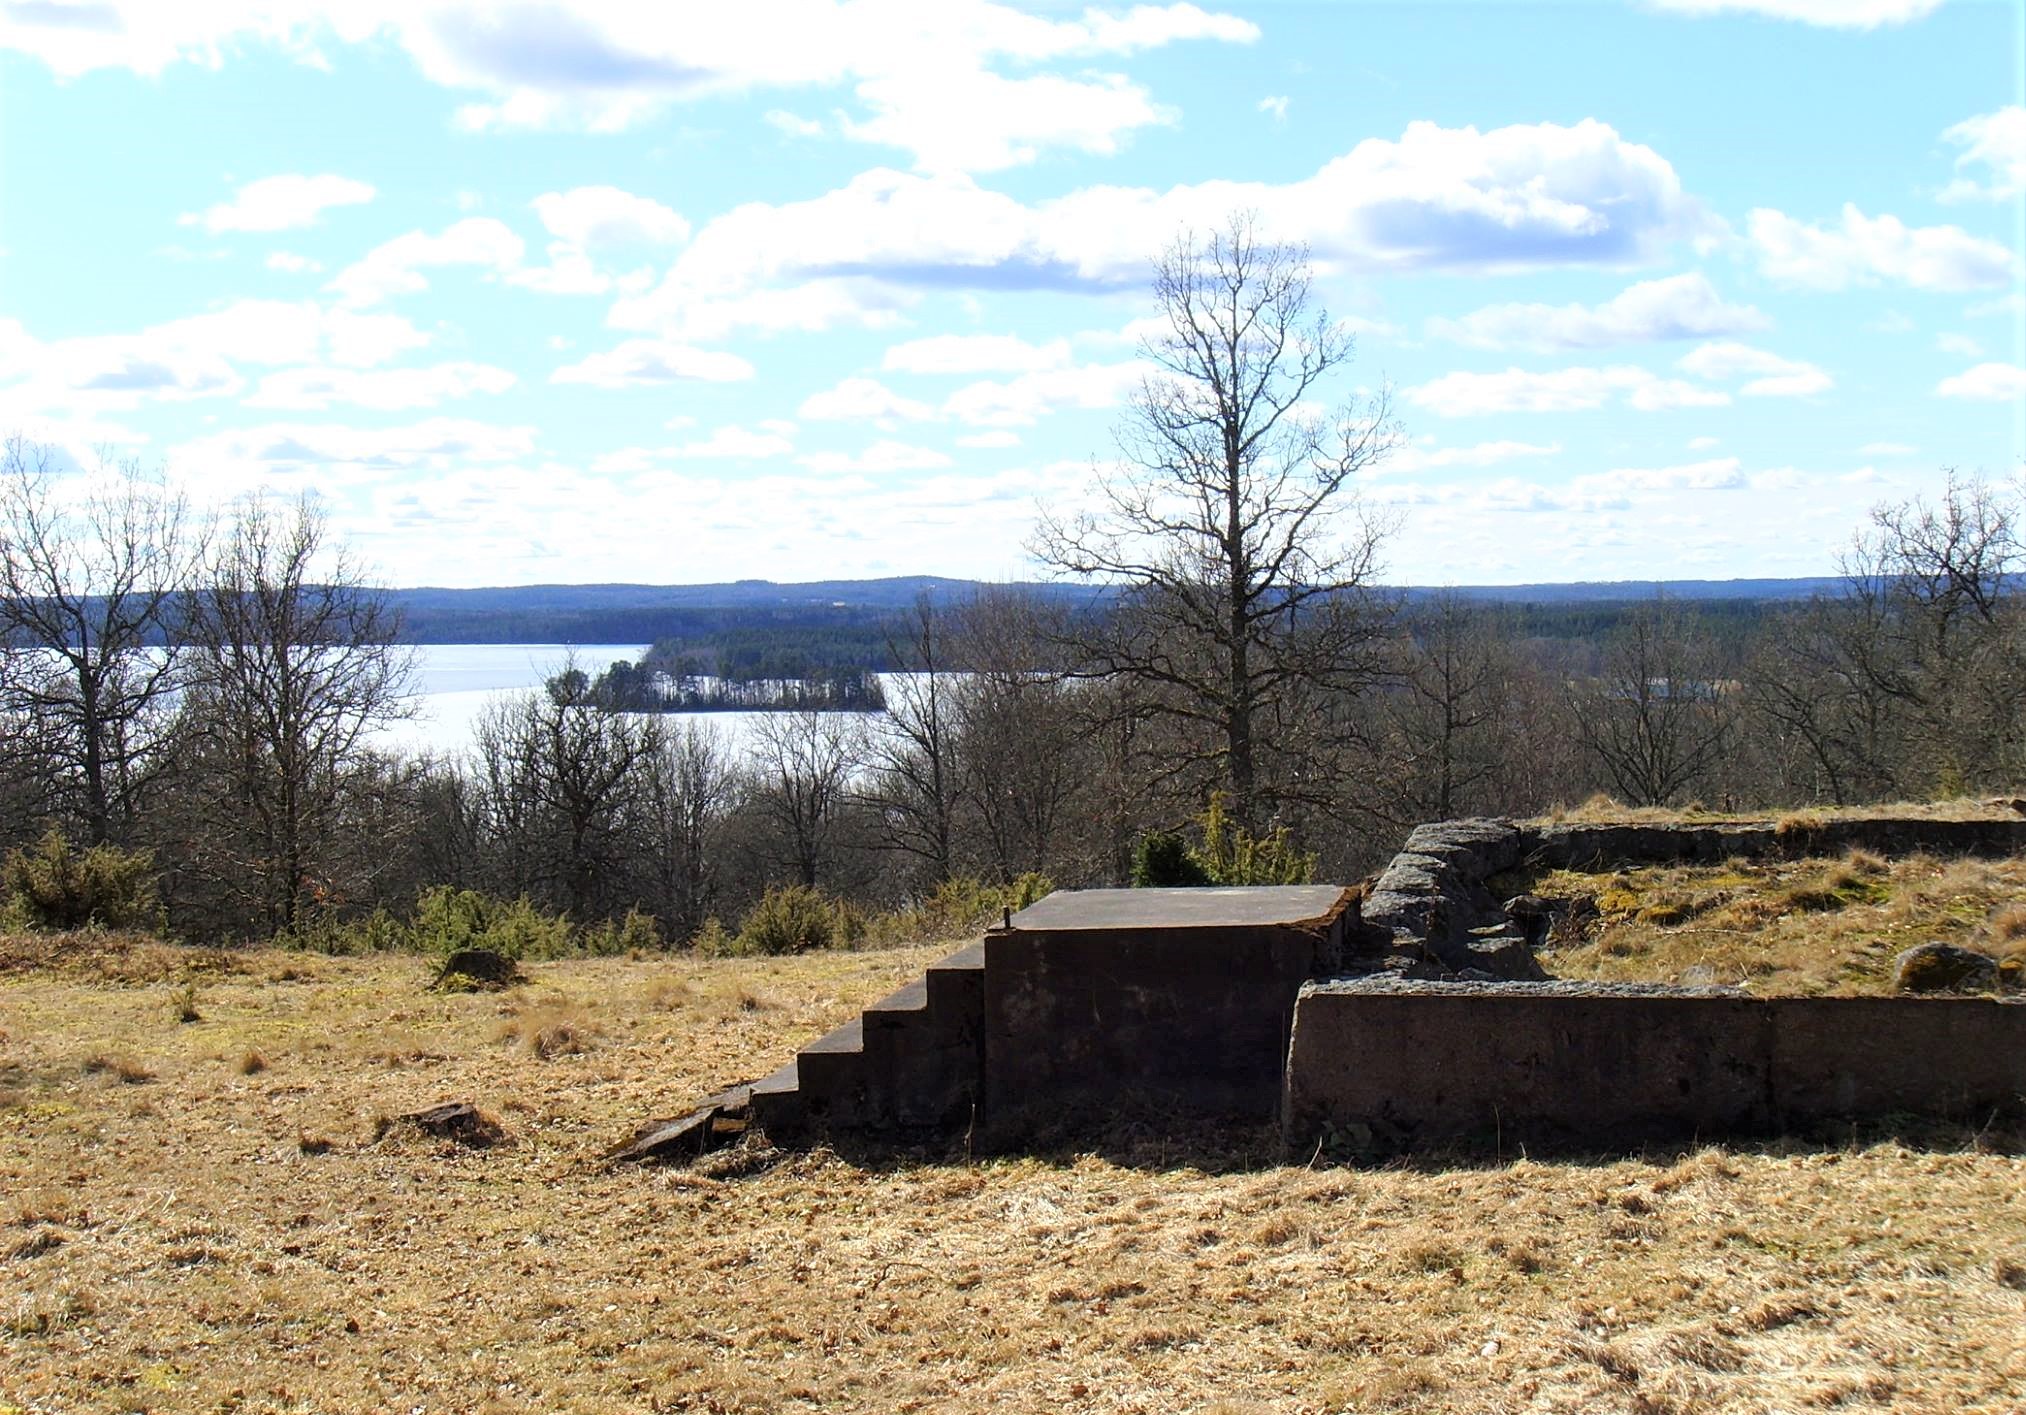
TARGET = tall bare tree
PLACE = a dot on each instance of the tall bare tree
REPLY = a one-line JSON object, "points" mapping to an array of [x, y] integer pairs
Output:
{"points": [[803, 765], [92, 568], [1231, 520], [297, 665], [1656, 718], [915, 781]]}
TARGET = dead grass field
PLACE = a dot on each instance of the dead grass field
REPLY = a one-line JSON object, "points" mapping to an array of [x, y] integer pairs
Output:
{"points": [[197, 1217], [1787, 928]]}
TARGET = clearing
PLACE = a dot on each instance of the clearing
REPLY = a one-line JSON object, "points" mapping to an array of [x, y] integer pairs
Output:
{"points": [[202, 1215]]}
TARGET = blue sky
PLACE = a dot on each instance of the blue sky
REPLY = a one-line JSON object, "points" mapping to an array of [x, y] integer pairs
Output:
{"points": [[816, 288]]}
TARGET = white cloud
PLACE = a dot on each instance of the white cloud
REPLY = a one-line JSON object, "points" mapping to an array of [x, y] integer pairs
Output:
{"points": [[1840, 14], [770, 439], [643, 363], [974, 120], [293, 264], [997, 437], [975, 353], [1703, 444], [1864, 250], [590, 218], [863, 400], [1275, 104], [885, 456], [1483, 454], [1987, 383], [1512, 199], [197, 356], [1462, 395], [385, 389], [394, 267], [1678, 307], [1770, 375], [1961, 345], [926, 78], [285, 203], [1996, 142], [285, 453], [1026, 399], [791, 125]]}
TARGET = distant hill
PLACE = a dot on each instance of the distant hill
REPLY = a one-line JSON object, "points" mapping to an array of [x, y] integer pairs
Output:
{"points": [[627, 613]]}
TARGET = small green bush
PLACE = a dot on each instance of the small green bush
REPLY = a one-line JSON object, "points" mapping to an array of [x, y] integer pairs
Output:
{"points": [[636, 933], [794, 919], [713, 940], [54, 885], [1163, 860], [1030, 888], [447, 919]]}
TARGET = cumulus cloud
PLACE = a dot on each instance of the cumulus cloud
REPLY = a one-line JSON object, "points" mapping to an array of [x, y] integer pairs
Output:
{"points": [[929, 79], [772, 438], [996, 438], [1416, 458], [884, 456], [198, 356], [864, 400], [292, 264], [1276, 105], [1024, 400], [645, 363], [1768, 375], [1839, 14], [1987, 383], [285, 203], [975, 353], [268, 453], [591, 218], [1995, 142], [394, 267], [1519, 198], [1463, 395], [1864, 250], [1678, 307], [384, 389]]}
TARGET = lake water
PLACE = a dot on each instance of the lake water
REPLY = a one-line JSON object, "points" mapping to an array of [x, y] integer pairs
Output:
{"points": [[456, 682]]}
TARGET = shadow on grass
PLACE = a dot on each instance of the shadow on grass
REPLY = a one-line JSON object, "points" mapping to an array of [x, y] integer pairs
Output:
{"points": [[1150, 1146]]}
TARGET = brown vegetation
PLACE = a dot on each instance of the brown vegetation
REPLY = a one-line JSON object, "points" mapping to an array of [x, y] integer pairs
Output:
{"points": [[1781, 928], [228, 1237]]}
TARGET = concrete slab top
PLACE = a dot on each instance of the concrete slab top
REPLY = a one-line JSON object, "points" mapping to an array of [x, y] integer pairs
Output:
{"points": [[1141, 909]]}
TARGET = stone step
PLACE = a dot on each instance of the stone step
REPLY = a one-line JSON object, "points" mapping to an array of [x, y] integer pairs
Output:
{"points": [[831, 1070]]}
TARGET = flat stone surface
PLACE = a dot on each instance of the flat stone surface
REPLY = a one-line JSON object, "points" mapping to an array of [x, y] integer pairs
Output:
{"points": [[1392, 984], [1089, 910]]}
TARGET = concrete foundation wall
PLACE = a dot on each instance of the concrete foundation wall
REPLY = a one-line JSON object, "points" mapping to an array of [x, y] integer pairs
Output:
{"points": [[1169, 1022], [1566, 1063]]}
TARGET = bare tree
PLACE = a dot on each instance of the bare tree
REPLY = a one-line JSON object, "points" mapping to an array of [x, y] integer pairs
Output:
{"points": [[803, 766], [691, 784], [1656, 719], [92, 569], [915, 781], [1445, 717], [1231, 522], [564, 781], [296, 666]]}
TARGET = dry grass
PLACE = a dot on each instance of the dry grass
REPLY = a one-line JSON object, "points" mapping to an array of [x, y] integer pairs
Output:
{"points": [[226, 1239], [1602, 809], [1782, 928]]}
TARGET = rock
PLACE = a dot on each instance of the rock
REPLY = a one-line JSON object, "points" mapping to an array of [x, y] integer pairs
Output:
{"points": [[477, 968], [717, 1120], [1943, 967], [457, 1121], [1503, 955]]}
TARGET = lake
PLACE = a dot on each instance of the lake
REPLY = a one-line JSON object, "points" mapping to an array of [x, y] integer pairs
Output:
{"points": [[455, 683]]}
